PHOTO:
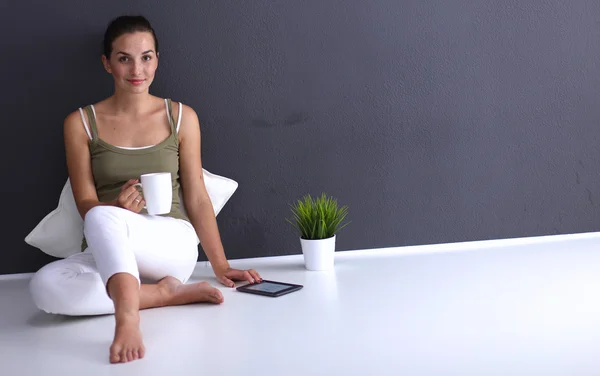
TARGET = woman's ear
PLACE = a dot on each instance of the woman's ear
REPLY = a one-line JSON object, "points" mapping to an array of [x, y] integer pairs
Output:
{"points": [[106, 64]]}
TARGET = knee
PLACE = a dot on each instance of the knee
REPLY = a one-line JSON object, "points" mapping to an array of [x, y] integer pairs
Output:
{"points": [[99, 216], [100, 213]]}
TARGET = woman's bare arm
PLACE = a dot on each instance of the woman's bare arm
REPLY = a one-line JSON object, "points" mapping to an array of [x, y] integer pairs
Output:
{"points": [[198, 205], [79, 164], [196, 200]]}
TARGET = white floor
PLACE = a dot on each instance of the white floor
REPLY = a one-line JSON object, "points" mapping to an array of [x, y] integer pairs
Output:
{"points": [[522, 307]]}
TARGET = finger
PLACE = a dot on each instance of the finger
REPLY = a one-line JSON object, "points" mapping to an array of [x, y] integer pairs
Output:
{"points": [[126, 195], [255, 275], [133, 197], [126, 201], [226, 281], [138, 201], [129, 183], [132, 204], [137, 205], [133, 190], [141, 206], [248, 277]]}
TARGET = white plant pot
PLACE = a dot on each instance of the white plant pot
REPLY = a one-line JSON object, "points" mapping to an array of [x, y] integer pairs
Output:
{"points": [[318, 253]]}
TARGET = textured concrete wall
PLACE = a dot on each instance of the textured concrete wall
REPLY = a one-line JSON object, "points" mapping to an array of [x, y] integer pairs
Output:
{"points": [[435, 121]]}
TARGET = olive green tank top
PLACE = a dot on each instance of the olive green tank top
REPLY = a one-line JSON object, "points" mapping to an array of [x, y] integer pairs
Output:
{"points": [[113, 166]]}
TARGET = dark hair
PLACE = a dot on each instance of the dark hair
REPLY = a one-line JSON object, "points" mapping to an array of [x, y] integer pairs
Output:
{"points": [[123, 25]]}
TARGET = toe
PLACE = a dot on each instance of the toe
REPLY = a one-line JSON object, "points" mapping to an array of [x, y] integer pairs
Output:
{"points": [[114, 354], [216, 296]]}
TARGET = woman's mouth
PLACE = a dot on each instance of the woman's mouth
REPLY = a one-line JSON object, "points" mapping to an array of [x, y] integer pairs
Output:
{"points": [[136, 82]]}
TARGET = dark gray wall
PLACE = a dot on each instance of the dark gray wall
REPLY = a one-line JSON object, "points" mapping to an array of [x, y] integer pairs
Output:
{"points": [[435, 121]]}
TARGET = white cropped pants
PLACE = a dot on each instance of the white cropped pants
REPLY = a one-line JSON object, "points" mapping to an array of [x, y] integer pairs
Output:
{"points": [[119, 241]]}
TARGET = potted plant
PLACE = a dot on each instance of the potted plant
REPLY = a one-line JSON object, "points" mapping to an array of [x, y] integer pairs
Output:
{"points": [[318, 220]]}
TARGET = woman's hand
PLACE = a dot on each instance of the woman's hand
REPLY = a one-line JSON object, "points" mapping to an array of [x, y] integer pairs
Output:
{"points": [[229, 275], [130, 198]]}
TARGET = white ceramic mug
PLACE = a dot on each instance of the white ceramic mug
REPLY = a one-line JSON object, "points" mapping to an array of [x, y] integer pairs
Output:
{"points": [[157, 192]]}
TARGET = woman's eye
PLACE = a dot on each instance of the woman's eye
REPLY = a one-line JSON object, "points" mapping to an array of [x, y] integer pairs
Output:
{"points": [[122, 59], [146, 58]]}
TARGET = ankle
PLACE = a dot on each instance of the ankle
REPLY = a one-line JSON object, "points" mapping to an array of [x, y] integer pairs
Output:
{"points": [[165, 293], [129, 316]]}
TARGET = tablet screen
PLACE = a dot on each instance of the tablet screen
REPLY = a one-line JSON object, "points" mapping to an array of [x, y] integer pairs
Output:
{"points": [[267, 287]]}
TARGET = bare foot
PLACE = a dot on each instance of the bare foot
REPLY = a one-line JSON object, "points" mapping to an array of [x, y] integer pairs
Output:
{"points": [[177, 293], [127, 345]]}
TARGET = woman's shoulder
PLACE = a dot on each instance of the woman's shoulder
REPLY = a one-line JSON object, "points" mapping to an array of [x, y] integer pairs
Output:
{"points": [[78, 120], [73, 124], [76, 113], [186, 110], [75, 116], [177, 102]]}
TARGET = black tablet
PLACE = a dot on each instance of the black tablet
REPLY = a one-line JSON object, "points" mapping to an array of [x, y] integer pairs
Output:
{"points": [[269, 288]]}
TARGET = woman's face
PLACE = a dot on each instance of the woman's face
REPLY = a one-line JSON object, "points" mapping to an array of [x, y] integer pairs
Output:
{"points": [[133, 61]]}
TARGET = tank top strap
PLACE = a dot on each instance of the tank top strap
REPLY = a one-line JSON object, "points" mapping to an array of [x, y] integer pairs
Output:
{"points": [[172, 122], [92, 118]]}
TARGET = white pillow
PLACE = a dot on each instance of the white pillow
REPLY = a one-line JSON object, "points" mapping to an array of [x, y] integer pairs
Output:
{"points": [[60, 233]]}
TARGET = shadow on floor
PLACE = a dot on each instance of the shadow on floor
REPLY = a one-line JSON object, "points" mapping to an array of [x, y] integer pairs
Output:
{"points": [[42, 319]]}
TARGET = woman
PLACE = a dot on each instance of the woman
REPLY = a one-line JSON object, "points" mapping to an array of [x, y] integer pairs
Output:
{"points": [[108, 146]]}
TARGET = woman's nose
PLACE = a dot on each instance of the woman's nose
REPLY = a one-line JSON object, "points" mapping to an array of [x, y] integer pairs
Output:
{"points": [[136, 68]]}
